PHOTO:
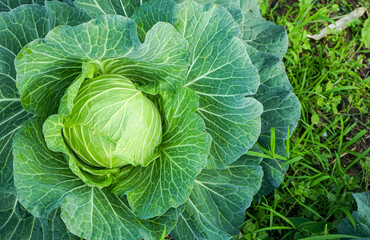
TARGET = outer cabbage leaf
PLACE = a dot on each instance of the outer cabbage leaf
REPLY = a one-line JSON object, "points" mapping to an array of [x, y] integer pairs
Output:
{"points": [[42, 177], [118, 7], [94, 213], [8, 5], [281, 111], [263, 35], [250, 7], [215, 209], [266, 44], [17, 28], [361, 217], [152, 12], [16, 223], [11, 112], [233, 6], [281, 106], [46, 68], [44, 182], [220, 72]]}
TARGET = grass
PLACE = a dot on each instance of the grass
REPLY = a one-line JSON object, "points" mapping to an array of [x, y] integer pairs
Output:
{"points": [[329, 150]]}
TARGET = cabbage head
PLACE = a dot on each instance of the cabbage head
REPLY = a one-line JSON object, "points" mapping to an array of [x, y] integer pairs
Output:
{"points": [[131, 119]]}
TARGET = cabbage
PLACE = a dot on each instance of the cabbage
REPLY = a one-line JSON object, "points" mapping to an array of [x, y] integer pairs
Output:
{"points": [[130, 119]]}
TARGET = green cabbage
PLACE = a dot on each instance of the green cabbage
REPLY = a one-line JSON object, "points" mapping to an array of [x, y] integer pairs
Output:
{"points": [[130, 119]]}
